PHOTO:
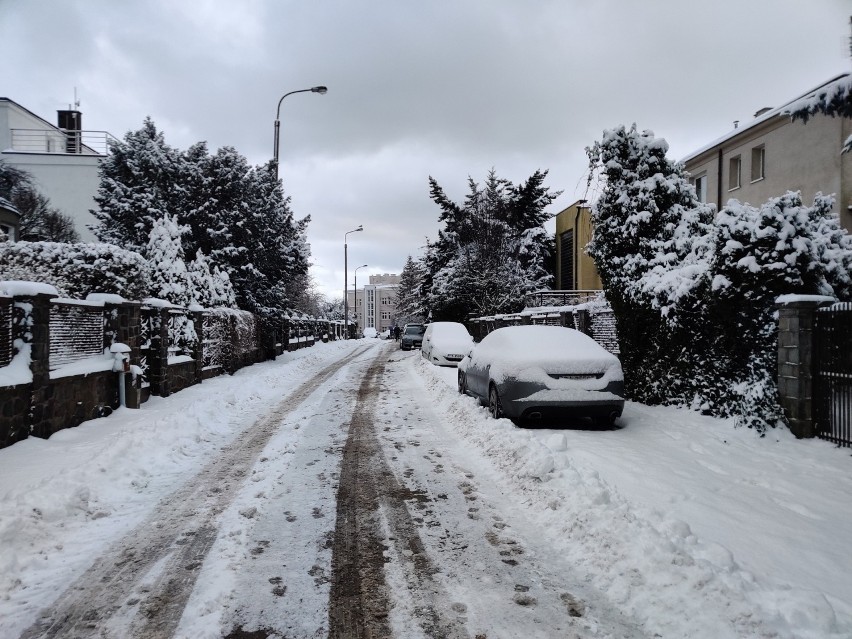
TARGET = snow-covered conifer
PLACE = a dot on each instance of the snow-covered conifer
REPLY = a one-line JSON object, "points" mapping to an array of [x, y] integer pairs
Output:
{"points": [[169, 277]]}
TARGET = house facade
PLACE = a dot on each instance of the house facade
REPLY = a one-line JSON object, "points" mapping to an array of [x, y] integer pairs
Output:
{"points": [[375, 303], [575, 270], [771, 155], [62, 159], [754, 162]]}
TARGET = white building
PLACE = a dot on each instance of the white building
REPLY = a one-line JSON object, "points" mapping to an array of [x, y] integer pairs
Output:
{"points": [[375, 304], [62, 159]]}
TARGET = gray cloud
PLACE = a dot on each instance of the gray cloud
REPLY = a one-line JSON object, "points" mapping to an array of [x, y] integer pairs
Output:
{"points": [[448, 89]]}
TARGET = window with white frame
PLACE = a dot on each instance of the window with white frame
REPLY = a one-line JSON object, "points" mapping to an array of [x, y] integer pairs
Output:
{"points": [[735, 165], [758, 163]]}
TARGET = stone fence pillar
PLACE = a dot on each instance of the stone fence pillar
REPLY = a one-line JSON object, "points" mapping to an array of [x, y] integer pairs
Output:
{"points": [[796, 360], [39, 332], [581, 321]]}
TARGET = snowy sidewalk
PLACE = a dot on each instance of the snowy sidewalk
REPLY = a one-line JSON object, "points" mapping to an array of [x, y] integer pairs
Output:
{"points": [[771, 516]]}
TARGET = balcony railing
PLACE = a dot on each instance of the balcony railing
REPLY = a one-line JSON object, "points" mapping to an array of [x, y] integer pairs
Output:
{"points": [[61, 141], [560, 298]]}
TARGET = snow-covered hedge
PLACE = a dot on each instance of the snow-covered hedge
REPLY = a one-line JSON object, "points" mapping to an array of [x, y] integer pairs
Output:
{"points": [[693, 293], [77, 269]]}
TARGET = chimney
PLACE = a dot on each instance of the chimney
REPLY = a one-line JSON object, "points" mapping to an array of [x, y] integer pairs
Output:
{"points": [[72, 121], [736, 124]]}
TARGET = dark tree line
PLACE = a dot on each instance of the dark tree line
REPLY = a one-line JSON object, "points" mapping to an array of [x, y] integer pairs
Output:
{"points": [[235, 215]]}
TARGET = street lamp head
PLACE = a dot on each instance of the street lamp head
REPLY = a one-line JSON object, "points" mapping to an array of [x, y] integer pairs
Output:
{"points": [[360, 227], [320, 90]]}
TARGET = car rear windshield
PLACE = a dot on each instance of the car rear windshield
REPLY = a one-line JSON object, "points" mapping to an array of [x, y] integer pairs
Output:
{"points": [[415, 330]]}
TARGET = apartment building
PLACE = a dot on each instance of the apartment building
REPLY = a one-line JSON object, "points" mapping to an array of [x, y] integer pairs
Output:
{"points": [[375, 304]]}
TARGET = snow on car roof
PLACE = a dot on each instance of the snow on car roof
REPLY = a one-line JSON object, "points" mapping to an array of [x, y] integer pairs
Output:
{"points": [[448, 328], [549, 346]]}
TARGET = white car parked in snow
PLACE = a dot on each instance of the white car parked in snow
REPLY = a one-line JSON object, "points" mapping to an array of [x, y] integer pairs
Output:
{"points": [[445, 343]]}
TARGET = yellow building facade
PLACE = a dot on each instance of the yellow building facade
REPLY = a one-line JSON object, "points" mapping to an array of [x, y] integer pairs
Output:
{"points": [[575, 270]]}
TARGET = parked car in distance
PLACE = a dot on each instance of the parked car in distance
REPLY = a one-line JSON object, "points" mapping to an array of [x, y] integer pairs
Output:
{"points": [[412, 336], [370, 332], [445, 343], [385, 334], [528, 373]]}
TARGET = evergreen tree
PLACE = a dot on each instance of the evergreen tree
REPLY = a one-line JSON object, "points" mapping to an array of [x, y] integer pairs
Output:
{"points": [[410, 297], [834, 100], [169, 277], [137, 187], [237, 216], [694, 294], [209, 287], [492, 251]]}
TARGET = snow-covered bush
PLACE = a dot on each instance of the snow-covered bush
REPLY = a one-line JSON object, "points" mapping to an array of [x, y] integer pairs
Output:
{"points": [[693, 294], [77, 269], [209, 288], [169, 277]]}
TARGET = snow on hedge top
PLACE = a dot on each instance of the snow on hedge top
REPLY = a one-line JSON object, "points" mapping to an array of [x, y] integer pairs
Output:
{"points": [[108, 298], [17, 287], [792, 299]]}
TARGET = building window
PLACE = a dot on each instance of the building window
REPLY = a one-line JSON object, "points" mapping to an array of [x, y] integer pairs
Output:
{"points": [[566, 259], [758, 163], [700, 184], [734, 170]]}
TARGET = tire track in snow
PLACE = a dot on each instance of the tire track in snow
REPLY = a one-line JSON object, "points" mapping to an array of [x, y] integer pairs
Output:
{"points": [[370, 498], [139, 587]]}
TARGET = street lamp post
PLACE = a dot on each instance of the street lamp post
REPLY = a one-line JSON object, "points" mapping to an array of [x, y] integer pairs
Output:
{"points": [[346, 280], [356, 294], [321, 90]]}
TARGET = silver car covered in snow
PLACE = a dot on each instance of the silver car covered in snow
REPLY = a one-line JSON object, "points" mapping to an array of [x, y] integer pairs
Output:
{"points": [[445, 343], [534, 372]]}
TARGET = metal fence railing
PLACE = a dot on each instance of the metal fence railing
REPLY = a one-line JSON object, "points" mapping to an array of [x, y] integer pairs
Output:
{"points": [[76, 333], [215, 340], [540, 299], [833, 373], [61, 141], [6, 336]]}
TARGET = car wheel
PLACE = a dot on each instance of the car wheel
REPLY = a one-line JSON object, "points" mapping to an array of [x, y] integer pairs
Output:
{"points": [[605, 421], [462, 384], [494, 405]]}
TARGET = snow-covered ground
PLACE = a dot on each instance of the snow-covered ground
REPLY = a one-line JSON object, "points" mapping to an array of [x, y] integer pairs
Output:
{"points": [[667, 515]]}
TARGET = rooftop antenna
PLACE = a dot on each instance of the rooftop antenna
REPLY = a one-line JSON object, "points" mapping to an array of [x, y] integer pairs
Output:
{"points": [[76, 101]]}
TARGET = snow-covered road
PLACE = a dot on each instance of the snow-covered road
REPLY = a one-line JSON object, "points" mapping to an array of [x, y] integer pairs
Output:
{"points": [[349, 489]]}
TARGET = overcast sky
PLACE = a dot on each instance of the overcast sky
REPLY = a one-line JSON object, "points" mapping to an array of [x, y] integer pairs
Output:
{"points": [[447, 88]]}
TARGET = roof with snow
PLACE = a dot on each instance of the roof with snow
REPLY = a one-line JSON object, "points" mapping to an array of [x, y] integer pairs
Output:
{"points": [[770, 114]]}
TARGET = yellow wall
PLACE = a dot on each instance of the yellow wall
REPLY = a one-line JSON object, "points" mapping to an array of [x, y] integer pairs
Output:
{"points": [[587, 277]]}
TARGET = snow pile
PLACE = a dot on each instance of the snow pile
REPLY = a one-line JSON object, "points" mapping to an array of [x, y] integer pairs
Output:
{"points": [[694, 545], [64, 499]]}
